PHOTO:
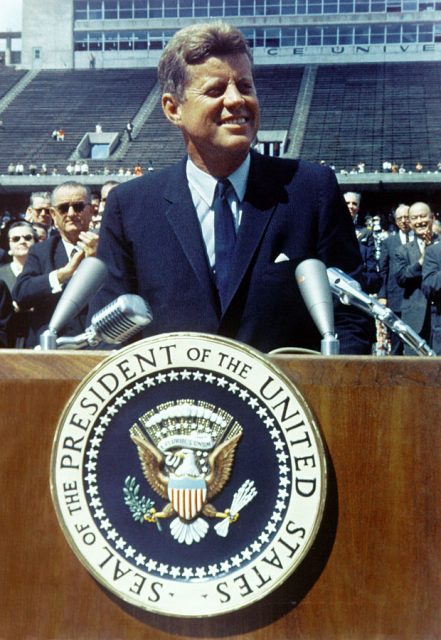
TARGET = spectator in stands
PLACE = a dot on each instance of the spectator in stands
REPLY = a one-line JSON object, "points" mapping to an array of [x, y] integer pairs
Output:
{"points": [[32, 169], [157, 235], [19, 169], [41, 231], [137, 170], [51, 264], [418, 167], [415, 310], [98, 214], [431, 286], [391, 294], [92, 61], [39, 209], [60, 135], [98, 128], [70, 169], [129, 130], [54, 134], [21, 237], [54, 170], [11, 169], [77, 168], [387, 166], [84, 168], [43, 169]]}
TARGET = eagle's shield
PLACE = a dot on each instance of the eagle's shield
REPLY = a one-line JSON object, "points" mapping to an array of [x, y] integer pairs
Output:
{"points": [[187, 496]]}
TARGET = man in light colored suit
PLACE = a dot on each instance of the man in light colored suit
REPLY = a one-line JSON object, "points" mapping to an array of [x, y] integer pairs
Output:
{"points": [[415, 310], [160, 236]]}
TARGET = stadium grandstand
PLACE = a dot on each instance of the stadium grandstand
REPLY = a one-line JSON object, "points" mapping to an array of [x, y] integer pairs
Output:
{"points": [[355, 84]]}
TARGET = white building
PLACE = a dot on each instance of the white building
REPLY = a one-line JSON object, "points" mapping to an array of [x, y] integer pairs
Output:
{"points": [[131, 33]]}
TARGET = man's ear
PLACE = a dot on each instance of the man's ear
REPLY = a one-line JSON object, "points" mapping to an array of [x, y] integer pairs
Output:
{"points": [[171, 108]]}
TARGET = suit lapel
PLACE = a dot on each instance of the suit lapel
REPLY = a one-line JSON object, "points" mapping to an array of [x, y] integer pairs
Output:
{"points": [[183, 219]]}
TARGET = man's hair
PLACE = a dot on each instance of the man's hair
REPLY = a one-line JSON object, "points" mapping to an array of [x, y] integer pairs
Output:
{"points": [[357, 196], [193, 45], [45, 195], [72, 184]]}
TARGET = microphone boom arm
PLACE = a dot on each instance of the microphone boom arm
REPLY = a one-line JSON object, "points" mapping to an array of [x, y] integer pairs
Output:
{"points": [[349, 292]]}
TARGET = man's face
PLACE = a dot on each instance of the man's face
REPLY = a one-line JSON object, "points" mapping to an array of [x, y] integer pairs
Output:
{"points": [[71, 212], [353, 204], [402, 219], [41, 211], [220, 113], [20, 241], [420, 219]]}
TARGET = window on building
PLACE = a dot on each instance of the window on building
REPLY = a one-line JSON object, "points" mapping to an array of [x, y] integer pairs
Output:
{"points": [[80, 10], [330, 35], [246, 7], [170, 10], [80, 41], [110, 40], [272, 38], [140, 9], [140, 40], [361, 34], [393, 33], [125, 9], [288, 36], [377, 34], [288, 7], [95, 41], [126, 40], [425, 33], [231, 7], [95, 10], [200, 8], [111, 10], [314, 36], [156, 9], [345, 34], [272, 7]]}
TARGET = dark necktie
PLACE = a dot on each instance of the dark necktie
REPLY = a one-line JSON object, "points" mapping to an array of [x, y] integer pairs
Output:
{"points": [[224, 238]]}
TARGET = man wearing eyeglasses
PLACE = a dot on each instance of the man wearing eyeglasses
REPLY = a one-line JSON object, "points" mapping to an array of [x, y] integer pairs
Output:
{"points": [[39, 209], [52, 263]]}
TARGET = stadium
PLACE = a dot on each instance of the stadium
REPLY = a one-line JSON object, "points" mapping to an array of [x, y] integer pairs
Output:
{"points": [[355, 84]]}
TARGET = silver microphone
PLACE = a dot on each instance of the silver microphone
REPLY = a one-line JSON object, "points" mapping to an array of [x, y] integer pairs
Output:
{"points": [[85, 282], [349, 292], [313, 284], [113, 324]]}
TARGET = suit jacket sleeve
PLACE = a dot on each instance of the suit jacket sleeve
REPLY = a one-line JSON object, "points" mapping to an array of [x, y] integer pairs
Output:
{"points": [[32, 288], [431, 270], [6, 313], [408, 271]]}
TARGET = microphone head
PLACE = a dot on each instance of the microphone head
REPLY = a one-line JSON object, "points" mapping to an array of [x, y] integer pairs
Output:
{"points": [[121, 319], [313, 284], [85, 282]]}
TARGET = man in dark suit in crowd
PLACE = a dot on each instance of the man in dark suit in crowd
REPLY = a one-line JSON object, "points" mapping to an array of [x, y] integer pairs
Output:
{"points": [[431, 286], [220, 257], [51, 264], [415, 310], [391, 294]]}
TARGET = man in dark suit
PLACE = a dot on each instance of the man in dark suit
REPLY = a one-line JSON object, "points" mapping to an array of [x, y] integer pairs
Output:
{"points": [[51, 264], [415, 310], [220, 257], [391, 294], [431, 286]]}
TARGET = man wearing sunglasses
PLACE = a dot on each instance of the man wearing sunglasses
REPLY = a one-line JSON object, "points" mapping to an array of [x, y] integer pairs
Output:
{"points": [[52, 263]]}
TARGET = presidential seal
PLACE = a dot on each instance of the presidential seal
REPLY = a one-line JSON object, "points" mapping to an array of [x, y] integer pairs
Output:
{"points": [[188, 475]]}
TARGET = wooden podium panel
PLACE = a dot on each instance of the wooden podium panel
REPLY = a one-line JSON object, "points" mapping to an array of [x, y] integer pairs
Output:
{"points": [[373, 573]]}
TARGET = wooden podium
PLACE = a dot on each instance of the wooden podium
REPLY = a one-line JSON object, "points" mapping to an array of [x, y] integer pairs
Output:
{"points": [[374, 571]]}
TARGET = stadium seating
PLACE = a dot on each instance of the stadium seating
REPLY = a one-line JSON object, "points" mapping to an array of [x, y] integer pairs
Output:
{"points": [[359, 113]]}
